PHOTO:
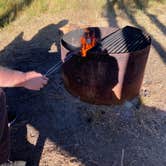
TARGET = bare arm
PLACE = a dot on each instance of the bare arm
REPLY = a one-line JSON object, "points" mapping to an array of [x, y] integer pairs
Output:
{"points": [[13, 78]]}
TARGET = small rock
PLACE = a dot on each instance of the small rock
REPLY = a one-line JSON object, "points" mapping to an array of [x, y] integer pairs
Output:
{"points": [[145, 92]]}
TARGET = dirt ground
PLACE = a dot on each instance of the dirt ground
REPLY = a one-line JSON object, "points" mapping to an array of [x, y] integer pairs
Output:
{"points": [[56, 129]]}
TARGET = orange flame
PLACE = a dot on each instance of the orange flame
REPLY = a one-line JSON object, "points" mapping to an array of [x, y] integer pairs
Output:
{"points": [[88, 41]]}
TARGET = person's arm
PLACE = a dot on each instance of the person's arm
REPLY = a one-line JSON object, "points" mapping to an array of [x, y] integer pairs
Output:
{"points": [[13, 78]]}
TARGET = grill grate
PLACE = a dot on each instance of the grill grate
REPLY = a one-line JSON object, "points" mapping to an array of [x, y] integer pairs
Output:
{"points": [[125, 40]]}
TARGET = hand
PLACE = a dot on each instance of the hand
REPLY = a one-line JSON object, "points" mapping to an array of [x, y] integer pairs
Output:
{"points": [[34, 81]]}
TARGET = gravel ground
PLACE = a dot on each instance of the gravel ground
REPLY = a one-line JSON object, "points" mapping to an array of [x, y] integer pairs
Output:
{"points": [[56, 129]]}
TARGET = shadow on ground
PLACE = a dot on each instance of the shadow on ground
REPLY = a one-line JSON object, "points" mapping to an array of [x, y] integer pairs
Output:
{"points": [[109, 13], [35, 54], [111, 16], [94, 135]]}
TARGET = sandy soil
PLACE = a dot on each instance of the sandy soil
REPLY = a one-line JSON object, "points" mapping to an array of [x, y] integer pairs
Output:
{"points": [[56, 129]]}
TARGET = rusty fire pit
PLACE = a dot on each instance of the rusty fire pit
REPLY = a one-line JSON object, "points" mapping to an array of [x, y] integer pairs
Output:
{"points": [[112, 71]]}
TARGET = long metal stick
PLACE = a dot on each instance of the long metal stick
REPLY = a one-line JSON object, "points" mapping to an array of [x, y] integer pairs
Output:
{"points": [[58, 65], [53, 68]]}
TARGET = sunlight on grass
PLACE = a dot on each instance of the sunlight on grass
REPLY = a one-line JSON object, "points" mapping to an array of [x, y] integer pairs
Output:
{"points": [[9, 9]]}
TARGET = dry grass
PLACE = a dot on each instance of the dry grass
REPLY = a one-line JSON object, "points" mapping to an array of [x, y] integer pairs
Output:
{"points": [[10, 10], [146, 128]]}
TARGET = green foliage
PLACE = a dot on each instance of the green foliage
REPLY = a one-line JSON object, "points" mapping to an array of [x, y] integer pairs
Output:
{"points": [[10, 9]]}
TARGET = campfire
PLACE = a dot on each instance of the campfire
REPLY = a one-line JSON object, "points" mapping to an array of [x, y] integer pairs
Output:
{"points": [[107, 64], [88, 41]]}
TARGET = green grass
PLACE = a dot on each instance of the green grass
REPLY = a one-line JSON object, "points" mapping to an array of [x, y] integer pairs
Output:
{"points": [[10, 9]]}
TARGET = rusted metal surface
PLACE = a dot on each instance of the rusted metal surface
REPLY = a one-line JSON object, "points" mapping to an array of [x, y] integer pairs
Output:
{"points": [[107, 77]]}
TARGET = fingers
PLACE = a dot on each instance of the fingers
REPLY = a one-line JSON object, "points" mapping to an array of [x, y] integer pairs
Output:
{"points": [[44, 80], [35, 81], [41, 86]]}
